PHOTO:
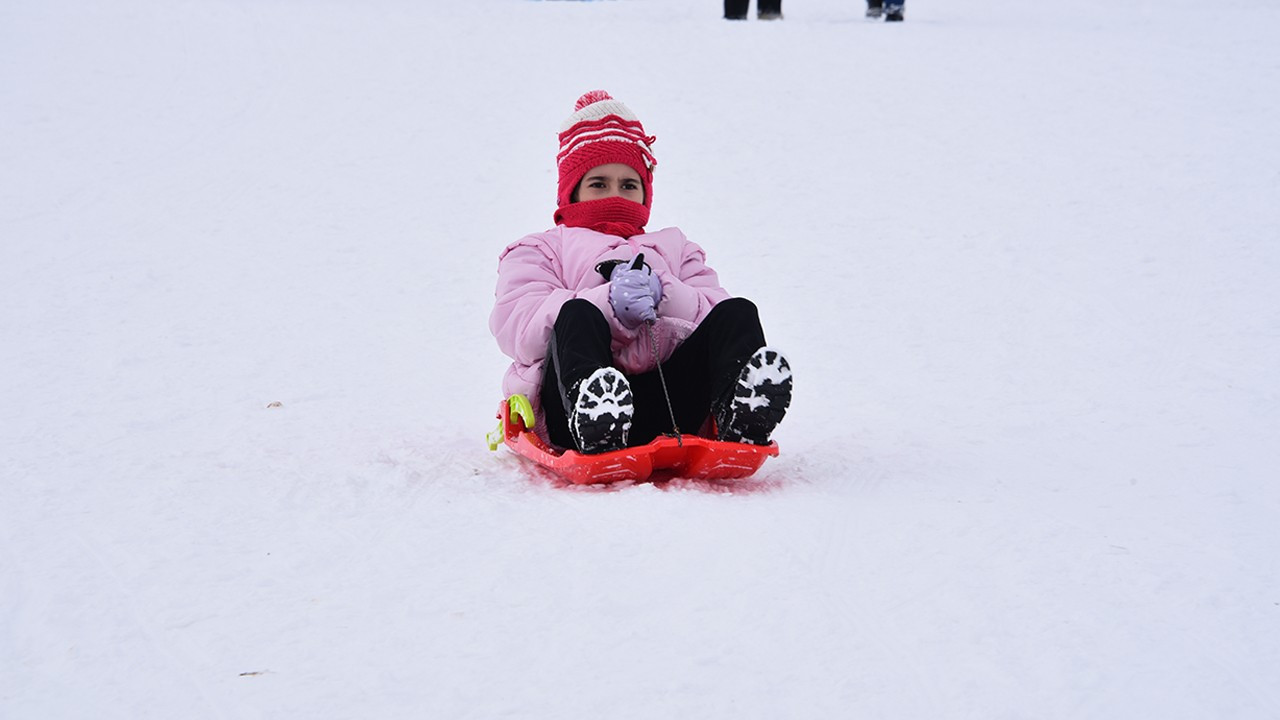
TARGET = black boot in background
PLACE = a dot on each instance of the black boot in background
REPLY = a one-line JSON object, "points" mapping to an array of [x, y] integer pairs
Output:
{"points": [[735, 9]]}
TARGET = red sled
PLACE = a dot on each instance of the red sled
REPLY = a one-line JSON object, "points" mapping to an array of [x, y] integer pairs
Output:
{"points": [[685, 456]]}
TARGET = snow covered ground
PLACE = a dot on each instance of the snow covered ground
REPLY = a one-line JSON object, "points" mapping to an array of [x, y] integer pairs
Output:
{"points": [[1023, 256]]}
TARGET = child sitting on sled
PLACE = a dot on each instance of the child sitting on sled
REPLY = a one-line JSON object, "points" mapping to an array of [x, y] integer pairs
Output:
{"points": [[620, 335]]}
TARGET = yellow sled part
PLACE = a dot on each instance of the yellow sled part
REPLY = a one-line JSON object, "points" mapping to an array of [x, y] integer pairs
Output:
{"points": [[518, 406]]}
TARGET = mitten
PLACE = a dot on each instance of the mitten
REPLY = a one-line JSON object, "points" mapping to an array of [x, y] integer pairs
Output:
{"points": [[634, 293]]}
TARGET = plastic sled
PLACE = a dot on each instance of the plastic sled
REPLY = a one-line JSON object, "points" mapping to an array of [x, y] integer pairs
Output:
{"points": [[685, 456]]}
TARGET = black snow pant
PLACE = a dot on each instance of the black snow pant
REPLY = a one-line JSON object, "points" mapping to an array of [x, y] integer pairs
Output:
{"points": [[701, 371], [737, 9]]}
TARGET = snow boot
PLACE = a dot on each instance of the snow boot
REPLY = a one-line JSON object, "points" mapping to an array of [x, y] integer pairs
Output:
{"points": [[600, 418], [757, 401], [875, 9], [768, 9], [893, 13]]}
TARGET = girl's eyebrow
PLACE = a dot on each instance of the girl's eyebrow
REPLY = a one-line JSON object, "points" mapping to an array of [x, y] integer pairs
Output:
{"points": [[606, 178]]}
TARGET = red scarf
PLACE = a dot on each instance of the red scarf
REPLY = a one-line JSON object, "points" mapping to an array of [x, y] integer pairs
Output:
{"points": [[611, 216]]}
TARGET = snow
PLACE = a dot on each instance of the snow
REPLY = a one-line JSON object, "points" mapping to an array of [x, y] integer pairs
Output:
{"points": [[1022, 258]]}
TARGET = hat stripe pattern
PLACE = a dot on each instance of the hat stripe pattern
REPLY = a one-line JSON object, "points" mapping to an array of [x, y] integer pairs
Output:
{"points": [[608, 128]]}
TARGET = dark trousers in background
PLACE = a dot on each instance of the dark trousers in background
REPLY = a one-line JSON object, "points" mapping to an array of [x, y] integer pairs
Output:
{"points": [[700, 371], [737, 9]]}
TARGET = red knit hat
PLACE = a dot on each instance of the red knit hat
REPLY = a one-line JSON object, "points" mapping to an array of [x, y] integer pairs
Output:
{"points": [[600, 131]]}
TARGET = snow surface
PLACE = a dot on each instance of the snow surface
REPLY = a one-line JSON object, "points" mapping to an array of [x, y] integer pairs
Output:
{"points": [[1023, 257]]}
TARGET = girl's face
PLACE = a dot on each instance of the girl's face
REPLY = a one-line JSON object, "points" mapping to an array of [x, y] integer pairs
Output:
{"points": [[612, 180]]}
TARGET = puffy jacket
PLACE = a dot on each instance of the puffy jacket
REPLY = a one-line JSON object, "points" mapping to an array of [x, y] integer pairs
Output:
{"points": [[540, 272]]}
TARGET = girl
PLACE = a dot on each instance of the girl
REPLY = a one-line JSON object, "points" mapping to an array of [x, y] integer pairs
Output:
{"points": [[618, 335]]}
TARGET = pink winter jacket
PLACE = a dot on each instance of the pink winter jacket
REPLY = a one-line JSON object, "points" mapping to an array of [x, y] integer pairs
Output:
{"points": [[540, 272]]}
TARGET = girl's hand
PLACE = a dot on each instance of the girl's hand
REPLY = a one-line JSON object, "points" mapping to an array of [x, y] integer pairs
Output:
{"points": [[634, 293]]}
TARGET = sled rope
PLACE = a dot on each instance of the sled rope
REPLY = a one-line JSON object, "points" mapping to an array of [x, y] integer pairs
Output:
{"points": [[653, 343]]}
